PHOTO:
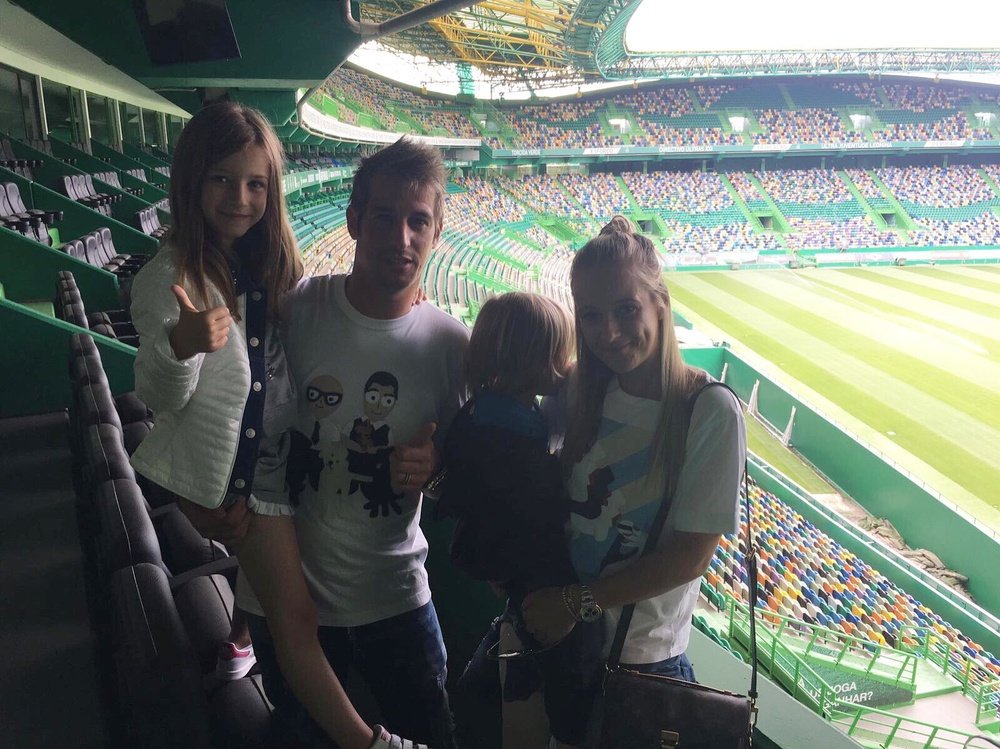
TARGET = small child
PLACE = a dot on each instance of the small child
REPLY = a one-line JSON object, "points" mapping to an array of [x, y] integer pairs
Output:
{"points": [[506, 490], [210, 364]]}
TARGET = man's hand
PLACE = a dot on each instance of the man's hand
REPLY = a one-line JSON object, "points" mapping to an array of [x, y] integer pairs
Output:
{"points": [[410, 465], [546, 616], [227, 525], [198, 332]]}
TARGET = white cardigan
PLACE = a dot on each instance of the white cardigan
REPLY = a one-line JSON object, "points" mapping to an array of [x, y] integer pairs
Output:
{"points": [[198, 402]]}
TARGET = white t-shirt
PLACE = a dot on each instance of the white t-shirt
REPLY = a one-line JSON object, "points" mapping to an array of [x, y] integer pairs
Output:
{"points": [[610, 524], [363, 385]]}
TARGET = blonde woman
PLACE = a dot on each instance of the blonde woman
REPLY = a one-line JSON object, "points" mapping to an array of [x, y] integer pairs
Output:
{"points": [[639, 432]]}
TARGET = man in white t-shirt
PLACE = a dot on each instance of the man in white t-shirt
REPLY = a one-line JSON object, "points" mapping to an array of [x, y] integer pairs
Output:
{"points": [[376, 375]]}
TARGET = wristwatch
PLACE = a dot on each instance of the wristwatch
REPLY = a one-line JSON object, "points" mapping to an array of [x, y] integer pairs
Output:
{"points": [[590, 610]]}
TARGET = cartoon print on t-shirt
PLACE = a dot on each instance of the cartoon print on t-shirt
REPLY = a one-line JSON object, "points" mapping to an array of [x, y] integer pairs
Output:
{"points": [[628, 542], [323, 396], [369, 447], [598, 491]]}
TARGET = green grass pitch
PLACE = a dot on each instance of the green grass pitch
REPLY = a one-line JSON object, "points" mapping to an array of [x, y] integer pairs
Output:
{"points": [[908, 359]]}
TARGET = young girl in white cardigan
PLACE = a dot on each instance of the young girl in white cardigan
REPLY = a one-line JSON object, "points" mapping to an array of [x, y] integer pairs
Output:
{"points": [[211, 366], [210, 363]]}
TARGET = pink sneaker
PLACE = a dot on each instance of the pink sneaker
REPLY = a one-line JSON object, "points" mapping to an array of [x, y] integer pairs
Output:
{"points": [[233, 662]]}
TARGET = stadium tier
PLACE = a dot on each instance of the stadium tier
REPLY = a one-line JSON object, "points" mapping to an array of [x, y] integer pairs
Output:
{"points": [[709, 116], [730, 175]]}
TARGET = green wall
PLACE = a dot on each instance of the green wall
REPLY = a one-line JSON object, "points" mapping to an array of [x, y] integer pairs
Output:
{"points": [[34, 377], [28, 273]]}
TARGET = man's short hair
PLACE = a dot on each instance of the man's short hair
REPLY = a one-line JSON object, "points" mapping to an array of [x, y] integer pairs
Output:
{"points": [[385, 379], [407, 161]]}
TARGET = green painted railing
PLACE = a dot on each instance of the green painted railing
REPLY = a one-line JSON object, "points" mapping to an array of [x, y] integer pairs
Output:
{"points": [[988, 706], [784, 665], [880, 729], [949, 657], [882, 663]]}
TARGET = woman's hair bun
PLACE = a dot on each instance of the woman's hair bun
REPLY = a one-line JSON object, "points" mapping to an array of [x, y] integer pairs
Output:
{"points": [[619, 224]]}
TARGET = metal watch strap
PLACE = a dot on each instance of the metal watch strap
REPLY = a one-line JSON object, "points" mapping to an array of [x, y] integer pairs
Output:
{"points": [[587, 601]]}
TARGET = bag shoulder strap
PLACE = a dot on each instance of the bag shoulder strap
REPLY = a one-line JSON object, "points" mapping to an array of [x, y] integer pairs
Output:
{"points": [[614, 658]]}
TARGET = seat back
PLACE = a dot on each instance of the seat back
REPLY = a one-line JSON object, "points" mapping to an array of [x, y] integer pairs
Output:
{"points": [[76, 314], [5, 207], [105, 253], [96, 405], [107, 240], [159, 680], [14, 197], [95, 250], [69, 187], [104, 454], [81, 187], [88, 181], [75, 248], [127, 535]]}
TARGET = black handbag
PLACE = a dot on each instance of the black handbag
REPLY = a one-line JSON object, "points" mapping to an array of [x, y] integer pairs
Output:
{"points": [[644, 711]]}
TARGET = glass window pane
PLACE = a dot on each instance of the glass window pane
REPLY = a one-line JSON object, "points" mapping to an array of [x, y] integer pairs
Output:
{"points": [[57, 110], [131, 130], [174, 126], [100, 127], [149, 123]]}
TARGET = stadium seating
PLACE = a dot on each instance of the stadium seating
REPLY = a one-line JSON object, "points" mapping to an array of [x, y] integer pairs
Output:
{"points": [[161, 594], [33, 223], [805, 575]]}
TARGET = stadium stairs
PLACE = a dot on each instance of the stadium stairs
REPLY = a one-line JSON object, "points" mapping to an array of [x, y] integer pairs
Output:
{"points": [[627, 193], [869, 211], [990, 181], [779, 218], [744, 208]]}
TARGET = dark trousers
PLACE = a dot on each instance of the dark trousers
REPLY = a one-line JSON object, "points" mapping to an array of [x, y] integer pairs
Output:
{"points": [[403, 661]]}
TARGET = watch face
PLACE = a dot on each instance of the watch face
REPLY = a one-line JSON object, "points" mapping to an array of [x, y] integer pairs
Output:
{"points": [[590, 612]]}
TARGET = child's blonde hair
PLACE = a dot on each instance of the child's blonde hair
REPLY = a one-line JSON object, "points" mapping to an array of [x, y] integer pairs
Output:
{"points": [[213, 134], [518, 341]]}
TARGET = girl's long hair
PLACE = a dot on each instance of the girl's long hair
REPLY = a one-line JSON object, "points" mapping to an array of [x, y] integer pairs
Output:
{"points": [[618, 248], [215, 133]]}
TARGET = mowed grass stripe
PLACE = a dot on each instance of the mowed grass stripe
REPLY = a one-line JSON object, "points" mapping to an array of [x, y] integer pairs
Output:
{"points": [[880, 334], [981, 320], [962, 394], [952, 424], [955, 274], [868, 298], [966, 469], [955, 299]]}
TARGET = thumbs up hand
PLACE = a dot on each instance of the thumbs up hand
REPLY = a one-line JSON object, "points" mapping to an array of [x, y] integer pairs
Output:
{"points": [[411, 464], [198, 332]]}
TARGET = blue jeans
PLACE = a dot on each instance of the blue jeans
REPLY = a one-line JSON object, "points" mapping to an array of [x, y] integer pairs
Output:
{"points": [[403, 661], [678, 667]]}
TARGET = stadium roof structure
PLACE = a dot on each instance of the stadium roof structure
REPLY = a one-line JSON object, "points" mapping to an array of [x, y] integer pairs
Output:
{"points": [[571, 41]]}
